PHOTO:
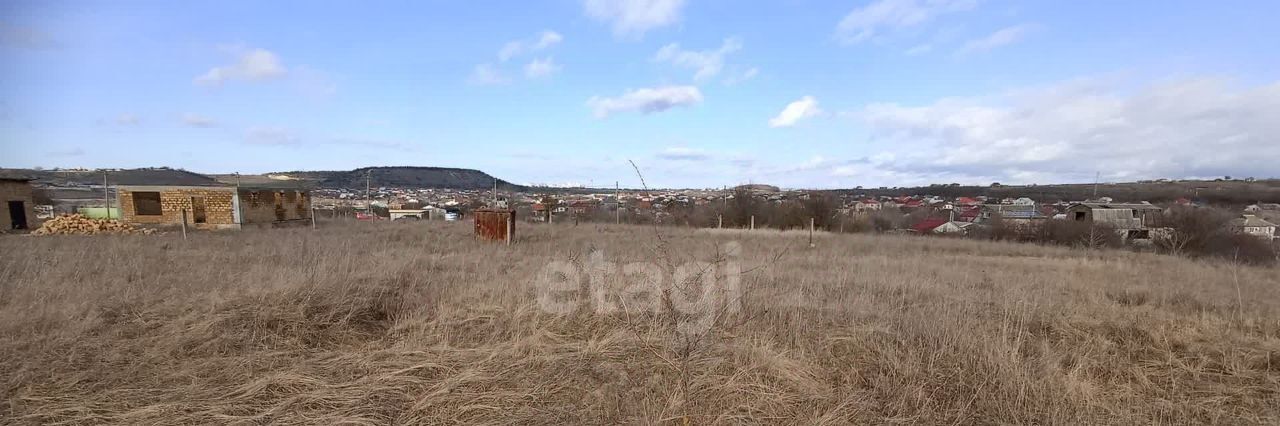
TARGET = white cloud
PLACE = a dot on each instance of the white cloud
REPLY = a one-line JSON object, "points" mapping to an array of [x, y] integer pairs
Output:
{"points": [[680, 153], [794, 112], [744, 76], [706, 63], [882, 16], [1002, 37], [487, 75], [490, 74], [547, 39], [269, 135], [646, 101], [539, 68], [1067, 132], [251, 65], [128, 119], [196, 120], [539, 42], [632, 18]]}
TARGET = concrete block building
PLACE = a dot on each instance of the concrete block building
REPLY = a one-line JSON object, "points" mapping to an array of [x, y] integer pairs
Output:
{"points": [[17, 203], [214, 206]]}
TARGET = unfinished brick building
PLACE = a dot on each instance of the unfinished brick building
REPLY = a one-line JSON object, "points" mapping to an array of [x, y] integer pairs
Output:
{"points": [[17, 204], [214, 207]]}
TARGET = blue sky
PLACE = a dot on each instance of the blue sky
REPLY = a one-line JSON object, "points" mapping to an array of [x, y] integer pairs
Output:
{"points": [[798, 93]]}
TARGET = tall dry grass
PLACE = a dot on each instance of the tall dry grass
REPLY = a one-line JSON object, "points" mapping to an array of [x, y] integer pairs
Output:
{"points": [[419, 323]]}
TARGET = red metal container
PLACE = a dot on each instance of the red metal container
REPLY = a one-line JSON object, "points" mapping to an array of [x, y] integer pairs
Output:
{"points": [[495, 225]]}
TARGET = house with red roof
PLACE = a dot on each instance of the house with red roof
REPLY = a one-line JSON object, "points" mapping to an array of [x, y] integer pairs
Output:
{"points": [[969, 214], [927, 226]]}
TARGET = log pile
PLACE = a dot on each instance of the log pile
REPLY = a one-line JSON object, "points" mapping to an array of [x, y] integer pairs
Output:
{"points": [[74, 224]]}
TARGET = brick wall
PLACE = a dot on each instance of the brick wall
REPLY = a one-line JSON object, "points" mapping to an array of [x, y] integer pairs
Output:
{"points": [[266, 206], [217, 206], [16, 191]]}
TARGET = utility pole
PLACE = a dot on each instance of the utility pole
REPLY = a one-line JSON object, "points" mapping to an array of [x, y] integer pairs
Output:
{"points": [[617, 203], [239, 213], [1096, 178], [106, 199], [495, 193], [368, 174]]}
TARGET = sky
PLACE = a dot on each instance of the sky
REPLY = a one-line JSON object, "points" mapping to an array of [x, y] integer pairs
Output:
{"points": [[694, 93]]}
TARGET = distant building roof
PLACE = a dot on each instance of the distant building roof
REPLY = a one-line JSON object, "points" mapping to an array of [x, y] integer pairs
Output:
{"points": [[1251, 221], [927, 225], [1130, 206]]}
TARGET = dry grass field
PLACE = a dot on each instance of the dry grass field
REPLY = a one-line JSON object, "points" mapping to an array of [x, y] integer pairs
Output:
{"points": [[418, 323]]}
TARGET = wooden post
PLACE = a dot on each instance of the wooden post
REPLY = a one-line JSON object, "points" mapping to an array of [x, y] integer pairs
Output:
{"points": [[313, 218], [184, 224], [511, 226], [810, 232], [719, 221], [753, 222]]}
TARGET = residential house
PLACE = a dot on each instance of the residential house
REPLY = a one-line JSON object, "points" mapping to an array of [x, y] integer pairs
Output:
{"points": [[866, 205], [954, 228], [1255, 226], [927, 226], [1014, 212], [582, 207], [1131, 221]]}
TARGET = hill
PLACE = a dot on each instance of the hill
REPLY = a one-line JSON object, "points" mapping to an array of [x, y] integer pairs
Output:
{"points": [[758, 187], [404, 176], [86, 177]]}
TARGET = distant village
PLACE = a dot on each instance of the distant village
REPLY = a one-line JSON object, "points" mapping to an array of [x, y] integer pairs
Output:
{"points": [[1133, 222], [233, 201]]}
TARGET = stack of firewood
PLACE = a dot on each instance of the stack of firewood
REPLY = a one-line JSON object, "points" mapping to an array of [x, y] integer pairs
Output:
{"points": [[74, 224]]}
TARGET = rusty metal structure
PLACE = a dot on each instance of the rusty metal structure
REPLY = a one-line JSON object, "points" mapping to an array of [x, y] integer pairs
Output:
{"points": [[495, 225]]}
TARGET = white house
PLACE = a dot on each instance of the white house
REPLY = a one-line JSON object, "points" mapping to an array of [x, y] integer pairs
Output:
{"points": [[1256, 226], [953, 227]]}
